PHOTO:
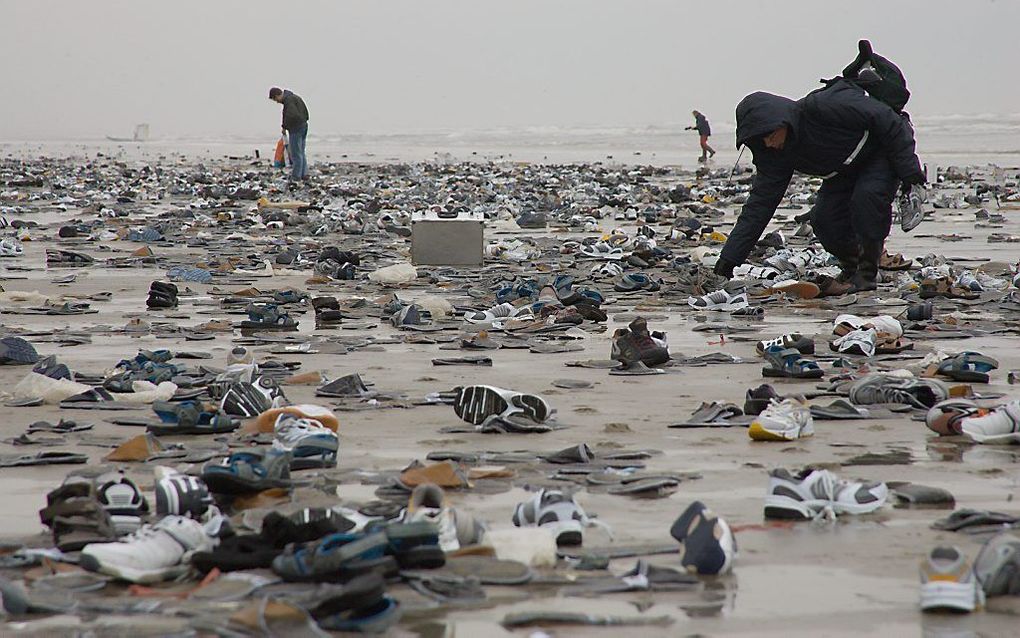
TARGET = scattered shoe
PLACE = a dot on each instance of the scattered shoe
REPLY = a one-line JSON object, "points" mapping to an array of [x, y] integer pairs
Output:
{"points": [[812, 493], [785, 420], [948, 582]]}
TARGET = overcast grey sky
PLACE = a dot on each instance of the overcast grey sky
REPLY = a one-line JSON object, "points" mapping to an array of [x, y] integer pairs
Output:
{"points": [[84, 69]]}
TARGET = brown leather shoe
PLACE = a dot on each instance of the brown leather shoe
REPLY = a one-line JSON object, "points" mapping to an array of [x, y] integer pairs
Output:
{"points": [[830, 287]]}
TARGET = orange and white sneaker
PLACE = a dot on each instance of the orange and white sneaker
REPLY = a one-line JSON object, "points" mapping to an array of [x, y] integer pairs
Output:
{"points": [[948, 582]]}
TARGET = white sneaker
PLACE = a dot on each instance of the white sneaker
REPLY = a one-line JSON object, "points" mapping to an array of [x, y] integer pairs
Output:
{"points": [[881, 323], [948, 582], [812, 492], [154, 553], [10, 247], [311, 444], [719, 300], [1001, 425], [785, 420], [861, 342], [428, 503]]}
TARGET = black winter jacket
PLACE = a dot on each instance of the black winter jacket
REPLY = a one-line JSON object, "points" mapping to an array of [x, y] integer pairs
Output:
{"points": [[295, 113], [831, 131], [701, 123]]}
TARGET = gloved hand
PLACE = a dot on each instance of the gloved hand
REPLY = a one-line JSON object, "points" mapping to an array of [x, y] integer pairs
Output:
{"points": [[909, 182], [688, 128], [724, 268]]}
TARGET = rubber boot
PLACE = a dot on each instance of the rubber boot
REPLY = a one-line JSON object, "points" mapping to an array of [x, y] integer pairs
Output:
{"points": [[847, 268], [866, 277]]}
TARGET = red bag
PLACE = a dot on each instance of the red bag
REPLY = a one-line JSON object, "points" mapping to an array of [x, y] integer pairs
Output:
{"points": [[280, 157]]}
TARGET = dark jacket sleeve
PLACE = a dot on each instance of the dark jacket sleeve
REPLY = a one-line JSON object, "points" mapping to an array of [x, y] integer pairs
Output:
{"points": [[767, 191], [851, 108]]}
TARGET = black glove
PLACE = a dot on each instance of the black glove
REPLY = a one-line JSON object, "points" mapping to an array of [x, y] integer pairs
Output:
{"points": [[688, 128], [724, 268], [909, 182]]}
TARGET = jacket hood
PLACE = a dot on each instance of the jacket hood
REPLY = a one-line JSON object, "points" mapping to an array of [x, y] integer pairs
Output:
{"points": [[761, 113]]}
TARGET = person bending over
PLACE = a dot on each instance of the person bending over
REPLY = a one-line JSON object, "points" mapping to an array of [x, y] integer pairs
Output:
{"points": [[863, 150]]}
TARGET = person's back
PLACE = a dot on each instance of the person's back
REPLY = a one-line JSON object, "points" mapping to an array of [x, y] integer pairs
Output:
{"points": [[295, 113]]}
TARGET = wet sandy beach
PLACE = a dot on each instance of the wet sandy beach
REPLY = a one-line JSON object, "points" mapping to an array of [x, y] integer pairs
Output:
{"points": [[855, 576]]}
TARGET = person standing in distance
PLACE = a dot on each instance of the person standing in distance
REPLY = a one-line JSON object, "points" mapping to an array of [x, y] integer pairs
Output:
{"points": [[705, 131], [295, 124]]}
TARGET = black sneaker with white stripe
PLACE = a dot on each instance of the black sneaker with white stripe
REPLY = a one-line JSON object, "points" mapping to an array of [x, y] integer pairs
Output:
{"points": [[182, 494]]}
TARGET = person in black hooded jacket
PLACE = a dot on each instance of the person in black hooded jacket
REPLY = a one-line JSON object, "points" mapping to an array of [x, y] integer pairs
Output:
{"points": [[861, 147]]}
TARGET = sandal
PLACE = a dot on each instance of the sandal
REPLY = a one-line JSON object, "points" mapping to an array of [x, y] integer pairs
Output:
{"points": [[968, 367], [890, 344], [894, 262], [794, 340], [787, 363]]}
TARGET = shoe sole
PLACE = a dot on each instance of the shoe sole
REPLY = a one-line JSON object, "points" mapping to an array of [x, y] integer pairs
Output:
{"points": [[758, 432], [476, 403], [949, 595], [993, 439], [140, 576]]}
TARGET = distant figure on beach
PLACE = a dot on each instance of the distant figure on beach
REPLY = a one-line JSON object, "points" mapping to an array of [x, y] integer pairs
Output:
{"points": [[295, 124], [705, 131]]}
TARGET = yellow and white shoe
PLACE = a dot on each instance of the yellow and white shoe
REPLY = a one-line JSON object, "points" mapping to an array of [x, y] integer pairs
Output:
{"points": [[785, 420]]}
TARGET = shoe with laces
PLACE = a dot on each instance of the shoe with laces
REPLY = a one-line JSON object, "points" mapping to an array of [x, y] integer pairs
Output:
{"points": [[558, 512], [782, 420], [997, 566], [811, 492], [182, 495], [1001, 425], [719, 300], [456, 528], [310, 443], [880, 388], [946, 417], [122, 500], [152, 554], [652, 349], [948, 582]]}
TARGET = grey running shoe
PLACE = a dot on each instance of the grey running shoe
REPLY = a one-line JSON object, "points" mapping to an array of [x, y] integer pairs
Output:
{"points": [[997, 566], [912, 206], [880, 388]]}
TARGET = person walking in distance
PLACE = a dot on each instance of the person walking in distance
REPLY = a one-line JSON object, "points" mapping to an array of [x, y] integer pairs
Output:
{"points": [[295, 124], [705, 131]]}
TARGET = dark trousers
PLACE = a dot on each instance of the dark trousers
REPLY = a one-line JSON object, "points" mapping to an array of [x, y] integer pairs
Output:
{"points": [[855, 208]]}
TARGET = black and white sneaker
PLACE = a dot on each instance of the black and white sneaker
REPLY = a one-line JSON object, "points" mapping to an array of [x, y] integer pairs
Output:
{"points": [[244, 400], [813, 493], [476, 403], [183, 495], [709, 546], [122, 500]]}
